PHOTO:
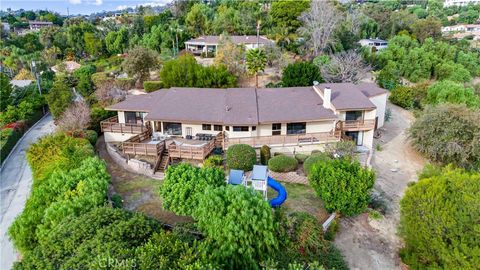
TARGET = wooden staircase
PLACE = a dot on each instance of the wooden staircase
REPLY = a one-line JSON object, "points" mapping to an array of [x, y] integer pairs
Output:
{"points": [[162, 162]]}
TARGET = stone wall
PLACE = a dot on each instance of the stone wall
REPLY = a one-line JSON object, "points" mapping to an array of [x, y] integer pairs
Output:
{"points": [[132, 165]]}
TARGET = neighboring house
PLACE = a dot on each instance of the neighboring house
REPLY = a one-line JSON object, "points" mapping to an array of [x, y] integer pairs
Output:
{"points": [[20, 83], [187, 123], [462, 30], [5, 26], [69, 66], [449, 3], [378, 44], [37, 25], [204, 44]]}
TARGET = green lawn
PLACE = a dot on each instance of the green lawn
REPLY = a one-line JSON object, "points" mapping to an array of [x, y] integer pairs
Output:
{"points": [[302, 198]]}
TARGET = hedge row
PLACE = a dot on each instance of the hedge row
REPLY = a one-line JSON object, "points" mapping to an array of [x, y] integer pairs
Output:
{"points": [[150, 86]]}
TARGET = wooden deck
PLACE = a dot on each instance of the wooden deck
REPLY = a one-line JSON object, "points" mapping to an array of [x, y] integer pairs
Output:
{"points": [[190, 152], [141, 145], [357, 125], [111, 125], [286, 140]]}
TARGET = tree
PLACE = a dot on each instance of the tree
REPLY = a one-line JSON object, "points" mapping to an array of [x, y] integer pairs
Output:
{"points": [[300, 74], [451, 92], [429, 27], [284, 17], [439, 221], [234, 218], [139, 62], [256, 60], [59, 97], [452, 71], [230, 55], [184, 184], [117, 42], [93, 45], [153, 40], [346, 66], [459, 139], [344, 186], [5, 92], [50, 55], [76, 117], [227, 20], [197, 20], [319, 24]]}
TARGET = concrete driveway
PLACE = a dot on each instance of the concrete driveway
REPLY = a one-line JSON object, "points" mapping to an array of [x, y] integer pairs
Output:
{"points": [[15, 184]]}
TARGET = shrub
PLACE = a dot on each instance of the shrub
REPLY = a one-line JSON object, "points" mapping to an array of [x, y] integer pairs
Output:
{"points": [[150, 86], [343, 149], [8, 138], [63, 193], [183, 184], [241, 157], [214, 161], [91, 136], [234, 219], [451, 92], [59, 97], [57, 152], [301, 74], [117, 201], [344, 186], [282, 163], [265, 154], [402, 96], [459, 139], [313, 159], [439, 221], [125, 83], [98, 114], [301, 158]]}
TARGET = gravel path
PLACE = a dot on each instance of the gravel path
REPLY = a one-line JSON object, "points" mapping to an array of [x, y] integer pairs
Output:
{"points": [[15, 184], [373, 244]]}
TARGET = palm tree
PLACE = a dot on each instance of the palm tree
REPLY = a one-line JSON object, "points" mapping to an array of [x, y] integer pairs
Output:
{"points": [[256, 62]]}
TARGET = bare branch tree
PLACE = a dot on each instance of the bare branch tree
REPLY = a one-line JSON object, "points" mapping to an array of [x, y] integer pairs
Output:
{"points": [[107, 93], [319, 23], [76, 117], [347, 66]]}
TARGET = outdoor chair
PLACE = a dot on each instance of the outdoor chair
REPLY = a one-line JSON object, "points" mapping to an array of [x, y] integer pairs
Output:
{"points": [[236, 177]]}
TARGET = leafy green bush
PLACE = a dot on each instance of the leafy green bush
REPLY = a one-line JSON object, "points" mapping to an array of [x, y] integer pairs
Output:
{"points": [[342, 149], [313, 159], [451, 92], [402, 96], [344, 186], [8, 138], [459, 139], [150, 86], [59, 97], [214, 161], [117, 201], [300, 74], [184, 184], [98, 114], [241, 157], [91, 136], [57, 152], [63, 193], [301, 158], [265, 154], [282, 163], [439, 221], [234, 218]]}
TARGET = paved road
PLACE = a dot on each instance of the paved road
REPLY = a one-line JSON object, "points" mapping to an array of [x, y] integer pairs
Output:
{"points": [[15, 184]]}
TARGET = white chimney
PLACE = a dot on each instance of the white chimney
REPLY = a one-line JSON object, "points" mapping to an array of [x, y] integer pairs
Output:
{"points": [[327, 96]]}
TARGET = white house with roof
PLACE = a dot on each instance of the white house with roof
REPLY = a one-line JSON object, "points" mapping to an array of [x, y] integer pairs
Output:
{"points": [[450, 3], [378, 44], [204, 44]]}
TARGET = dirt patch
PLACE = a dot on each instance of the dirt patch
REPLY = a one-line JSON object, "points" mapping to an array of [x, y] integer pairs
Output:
{"points": [[374, 244], [139, 193]]}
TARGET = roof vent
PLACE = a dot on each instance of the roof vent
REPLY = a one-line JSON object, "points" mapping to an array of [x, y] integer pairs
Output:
{"points": [[227, 108], [316, 83]]}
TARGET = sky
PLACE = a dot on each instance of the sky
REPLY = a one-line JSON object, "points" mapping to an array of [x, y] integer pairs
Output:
{"points": [[77, 6]]}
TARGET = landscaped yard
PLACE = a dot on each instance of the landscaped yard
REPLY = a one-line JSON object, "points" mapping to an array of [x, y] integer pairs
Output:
{"points": [[302, 198], [138, 192]]}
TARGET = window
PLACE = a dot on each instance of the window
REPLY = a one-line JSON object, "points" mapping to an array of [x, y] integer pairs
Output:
{"points": [[353, 115], [276, 129], [227, 128], [172, 128], [254, 128], [240, 128], [296, 128], [217, 127], [206, 127], [133, 117]]}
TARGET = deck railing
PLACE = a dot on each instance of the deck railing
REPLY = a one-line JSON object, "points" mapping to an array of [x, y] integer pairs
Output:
{"points": [[355, 125], [190, 152], [144, 149], [111, 125], [286, 140]]}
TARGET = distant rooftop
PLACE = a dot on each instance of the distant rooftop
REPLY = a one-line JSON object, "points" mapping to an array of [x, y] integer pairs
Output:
{"points": [[39, 23], [235, 39]]}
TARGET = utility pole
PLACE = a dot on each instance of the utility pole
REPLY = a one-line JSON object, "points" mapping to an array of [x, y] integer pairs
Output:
{"points": [[37, 77], [258, 33]]}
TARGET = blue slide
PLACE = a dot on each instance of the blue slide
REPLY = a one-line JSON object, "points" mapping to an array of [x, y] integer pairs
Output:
{"points": [[282, 193]]}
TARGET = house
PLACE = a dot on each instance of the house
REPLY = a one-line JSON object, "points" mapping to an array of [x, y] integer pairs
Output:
{"points": [[5, 27], [21, 83], [378, 44], [204, 44], [450, 3], [37, 25], [460, 31], [188, 123], [68, 66]]}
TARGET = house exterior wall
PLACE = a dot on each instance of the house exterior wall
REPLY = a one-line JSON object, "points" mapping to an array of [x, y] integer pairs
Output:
{"points": [[380, 101], [121, 117], [368, 138]]}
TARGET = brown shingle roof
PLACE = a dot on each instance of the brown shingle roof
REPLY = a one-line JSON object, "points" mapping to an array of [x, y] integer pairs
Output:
{"points": [[370, 89], [247, 106]]}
